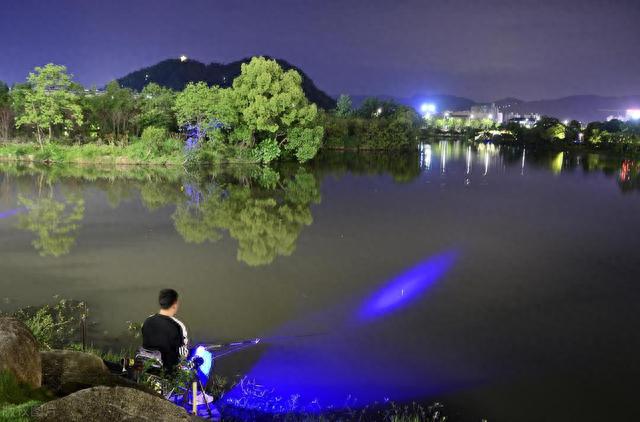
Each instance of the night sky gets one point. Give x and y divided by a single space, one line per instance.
484 50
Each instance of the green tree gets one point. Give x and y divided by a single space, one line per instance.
51 100
550 129
344 107
196 104
115 113
6 112
374 107
157 107
266 110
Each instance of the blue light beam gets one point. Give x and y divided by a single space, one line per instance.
10 213
407 287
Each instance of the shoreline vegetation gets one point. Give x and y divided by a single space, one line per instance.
56 328
262 117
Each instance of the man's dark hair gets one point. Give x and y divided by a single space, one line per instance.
167 298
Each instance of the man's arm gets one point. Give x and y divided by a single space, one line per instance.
183 339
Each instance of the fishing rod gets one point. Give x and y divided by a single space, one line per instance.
223 349
249 342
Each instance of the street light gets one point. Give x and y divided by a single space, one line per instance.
428 108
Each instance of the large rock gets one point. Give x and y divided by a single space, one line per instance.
66 371
110 404
19 352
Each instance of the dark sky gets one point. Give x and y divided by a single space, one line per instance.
483 49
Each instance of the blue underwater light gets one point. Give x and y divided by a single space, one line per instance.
407 287
350 363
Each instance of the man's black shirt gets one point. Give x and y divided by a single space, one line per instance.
167 335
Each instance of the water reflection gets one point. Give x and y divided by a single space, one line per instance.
55 223
265 218
263 209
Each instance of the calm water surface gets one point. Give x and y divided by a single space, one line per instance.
504 283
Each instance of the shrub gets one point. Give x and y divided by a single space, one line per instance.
154 136
53 326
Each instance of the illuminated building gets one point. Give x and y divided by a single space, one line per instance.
525 120
486 111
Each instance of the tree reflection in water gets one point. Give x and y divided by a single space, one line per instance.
264 209
55 223
264 213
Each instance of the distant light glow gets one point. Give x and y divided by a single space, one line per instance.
633 114
407 287
183 58
428 108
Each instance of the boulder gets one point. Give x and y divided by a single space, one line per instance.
109 404
19 352
67 371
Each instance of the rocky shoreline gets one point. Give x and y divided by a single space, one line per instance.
80 385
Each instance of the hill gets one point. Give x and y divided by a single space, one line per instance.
175 74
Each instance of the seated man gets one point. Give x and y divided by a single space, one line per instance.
166 334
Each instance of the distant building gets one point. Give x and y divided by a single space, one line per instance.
459 114
477 112
525 120
486 111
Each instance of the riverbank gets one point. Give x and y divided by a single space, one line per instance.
49 378
135 154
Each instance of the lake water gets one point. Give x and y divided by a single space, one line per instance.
504 283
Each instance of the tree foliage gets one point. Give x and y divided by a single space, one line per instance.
376 124
266 109
52 99
114 113
344 108
196 104
6 112
157 107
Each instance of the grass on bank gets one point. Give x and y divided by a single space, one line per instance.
18 400
137 153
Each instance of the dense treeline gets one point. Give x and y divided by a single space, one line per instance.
614 135
376 125
263 116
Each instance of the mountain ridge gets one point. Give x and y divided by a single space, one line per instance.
175 74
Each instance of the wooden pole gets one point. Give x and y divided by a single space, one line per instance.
194 388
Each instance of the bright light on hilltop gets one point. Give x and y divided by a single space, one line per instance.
183 58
